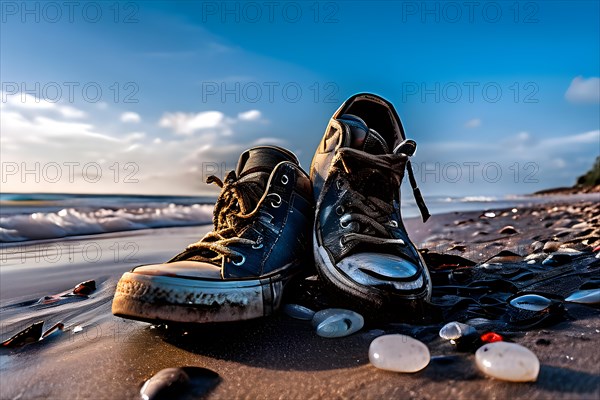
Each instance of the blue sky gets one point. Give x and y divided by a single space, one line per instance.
484 88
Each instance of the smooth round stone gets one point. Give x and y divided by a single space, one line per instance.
322 315
531 302
549 247
508 362
166 383
299 312
561 257
399 353
591 296
180 383
338 326
456 330
337 322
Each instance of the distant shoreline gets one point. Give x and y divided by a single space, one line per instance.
568 190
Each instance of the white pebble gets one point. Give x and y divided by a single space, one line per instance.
299 312
337 322
531 302
456 330
399 353
508 362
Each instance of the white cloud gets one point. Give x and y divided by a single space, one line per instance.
584 90
559 163
269 141
591 137
135 136
251 115
174 163
527 161
27 102
130 116
71 112
473 123
188 123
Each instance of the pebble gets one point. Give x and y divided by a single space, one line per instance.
561 257
85 288
298 312
535 256
489 215
169 382
549 247
531 302
185 382
581 225
337 322
508 362
537 246
590 296
399 353
456 330
508 230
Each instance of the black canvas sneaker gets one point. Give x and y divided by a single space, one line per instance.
261 237
361 247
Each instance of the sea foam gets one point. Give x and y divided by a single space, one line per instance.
72 221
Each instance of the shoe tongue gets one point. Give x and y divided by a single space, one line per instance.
363 138
261 160
374 143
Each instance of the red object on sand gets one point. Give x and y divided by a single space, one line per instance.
491 337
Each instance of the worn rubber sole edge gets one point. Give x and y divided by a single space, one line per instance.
161 298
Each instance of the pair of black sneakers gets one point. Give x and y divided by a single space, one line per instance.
273 222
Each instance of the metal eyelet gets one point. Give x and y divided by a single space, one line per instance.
240 262
394 223
278 204
339 210
285 179
257 246
346 225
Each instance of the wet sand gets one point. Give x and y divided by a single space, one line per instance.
277 357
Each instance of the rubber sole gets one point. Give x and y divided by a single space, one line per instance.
153 298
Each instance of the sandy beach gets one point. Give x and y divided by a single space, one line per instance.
104 357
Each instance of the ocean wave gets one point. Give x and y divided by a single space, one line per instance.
72 222
478 199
